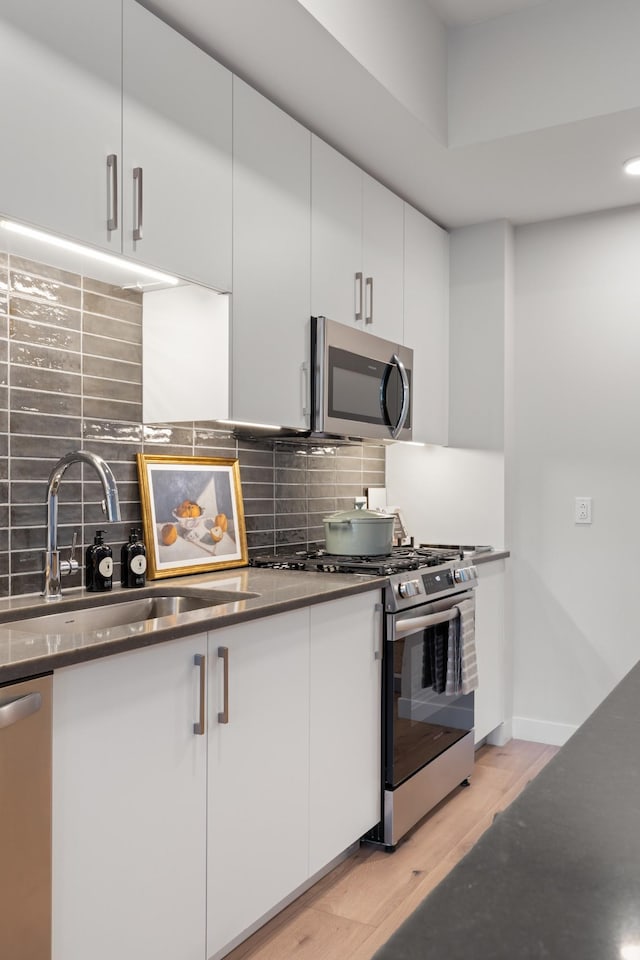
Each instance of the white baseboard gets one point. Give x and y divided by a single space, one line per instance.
542 731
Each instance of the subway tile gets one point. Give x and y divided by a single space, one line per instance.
51 381
95 408
258 507
42 357
101 430
256 474
58 338
99 389
167 434
290 475
112 369
112 327
111 349
265 522
28 284
290 521
25 266
37 401
36 424
258 491
95 303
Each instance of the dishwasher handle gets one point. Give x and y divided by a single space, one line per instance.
19 709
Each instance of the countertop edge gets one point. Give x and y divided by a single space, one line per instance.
222 615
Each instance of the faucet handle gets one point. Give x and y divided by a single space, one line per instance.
71 565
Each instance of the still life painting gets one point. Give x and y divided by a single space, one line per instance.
192 514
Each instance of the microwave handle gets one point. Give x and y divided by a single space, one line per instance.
404 409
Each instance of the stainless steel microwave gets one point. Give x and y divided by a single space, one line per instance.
360 384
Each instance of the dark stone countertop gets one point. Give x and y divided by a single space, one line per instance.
26 652
557 875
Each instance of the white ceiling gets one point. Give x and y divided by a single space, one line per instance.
565 159
456 12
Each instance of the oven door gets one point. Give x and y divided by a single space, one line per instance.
421 720
361 383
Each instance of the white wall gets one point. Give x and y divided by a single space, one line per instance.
447 495
564 62
576 432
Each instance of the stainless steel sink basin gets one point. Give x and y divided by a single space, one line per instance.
122 613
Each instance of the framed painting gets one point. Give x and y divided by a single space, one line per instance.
192 514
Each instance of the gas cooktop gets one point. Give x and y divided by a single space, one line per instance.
401 559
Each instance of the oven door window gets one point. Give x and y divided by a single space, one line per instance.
364 390
421 720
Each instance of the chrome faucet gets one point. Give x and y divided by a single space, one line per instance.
54 567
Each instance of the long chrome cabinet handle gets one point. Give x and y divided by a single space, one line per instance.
112 187
223 654
358 296
377 640
137 184
404 409
200 661
368 284
16 710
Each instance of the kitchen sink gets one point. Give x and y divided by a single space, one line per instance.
122 613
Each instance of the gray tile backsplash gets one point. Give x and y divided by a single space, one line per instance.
71 378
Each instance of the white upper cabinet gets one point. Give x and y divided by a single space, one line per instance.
60 103
176 132
356 246
426 324
271 269
336 235
383 241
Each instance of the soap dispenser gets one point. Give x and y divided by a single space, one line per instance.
133 561
99 564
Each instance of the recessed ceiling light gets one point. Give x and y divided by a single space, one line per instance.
632 167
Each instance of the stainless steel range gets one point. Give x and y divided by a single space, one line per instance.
427 724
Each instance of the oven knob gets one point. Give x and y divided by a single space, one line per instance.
460 575
408 588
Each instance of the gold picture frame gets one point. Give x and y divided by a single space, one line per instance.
192 514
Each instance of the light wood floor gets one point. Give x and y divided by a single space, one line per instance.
354 910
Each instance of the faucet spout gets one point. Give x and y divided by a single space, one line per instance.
54 568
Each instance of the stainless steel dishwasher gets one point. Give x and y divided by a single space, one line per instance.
25 819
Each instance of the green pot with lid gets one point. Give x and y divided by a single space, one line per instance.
359 533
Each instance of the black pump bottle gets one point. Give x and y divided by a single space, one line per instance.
99 565
133 561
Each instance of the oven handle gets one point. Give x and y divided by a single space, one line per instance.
403 627
404 410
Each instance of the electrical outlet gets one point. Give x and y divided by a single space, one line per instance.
583 510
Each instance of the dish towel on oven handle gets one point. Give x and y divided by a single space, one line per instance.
462 662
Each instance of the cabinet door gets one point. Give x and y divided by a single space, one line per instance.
271 262
60 104
345 751
258 771
426 324
383 239
176 127
336 235
490 697
129 807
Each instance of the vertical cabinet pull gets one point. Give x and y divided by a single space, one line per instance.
304 388
223 654
368 318
200 661
358 296
377 632
137 186
112 191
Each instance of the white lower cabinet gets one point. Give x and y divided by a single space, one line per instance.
171 844
258 771
490 697
345 750
129 807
